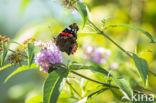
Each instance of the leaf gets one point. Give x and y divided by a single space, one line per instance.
100 70
58 65
134 28
82 8
117 93
35 99
77 66
125 87
12 41
85 99
53 85
30 53
6 66
20 69
4 53
37 49
142 67
92 68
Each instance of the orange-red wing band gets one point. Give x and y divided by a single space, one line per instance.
66 34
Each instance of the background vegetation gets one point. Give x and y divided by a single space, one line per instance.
45 19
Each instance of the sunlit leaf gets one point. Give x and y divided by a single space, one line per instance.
30 53
58 64
142 67
6 66
37 49
53 85
125 87
4 53
20 69
85 99
77 66
35 99
134 28
117 93
82 8
98 69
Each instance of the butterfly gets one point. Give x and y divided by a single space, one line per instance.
66 41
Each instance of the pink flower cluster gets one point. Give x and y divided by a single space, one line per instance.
97 54
49 54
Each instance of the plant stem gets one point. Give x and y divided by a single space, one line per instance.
15 52
105 84
73 89
152 72
101 32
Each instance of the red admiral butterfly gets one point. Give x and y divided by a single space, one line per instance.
66 40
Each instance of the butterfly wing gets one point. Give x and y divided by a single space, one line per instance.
66 40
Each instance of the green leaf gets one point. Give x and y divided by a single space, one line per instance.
4 53
125 87
85 99
142 67
117 93
98 69
35 99
77 66
20 69
37 49
12 41
134 28
53 85
30 53
59 65
6 66
82 8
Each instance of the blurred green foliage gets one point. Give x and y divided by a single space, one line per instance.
45 19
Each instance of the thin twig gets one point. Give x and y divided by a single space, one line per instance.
73 89
152 72
101 32
105 84
15 52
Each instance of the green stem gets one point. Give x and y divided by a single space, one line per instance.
152 72
11 50
73 89
101 32
15 52
105 84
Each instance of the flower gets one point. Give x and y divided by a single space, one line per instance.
49 54
3 39
24 44
40 44
99 55
16 57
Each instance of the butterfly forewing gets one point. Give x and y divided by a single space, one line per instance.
66 40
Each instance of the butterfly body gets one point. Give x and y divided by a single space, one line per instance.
66 40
